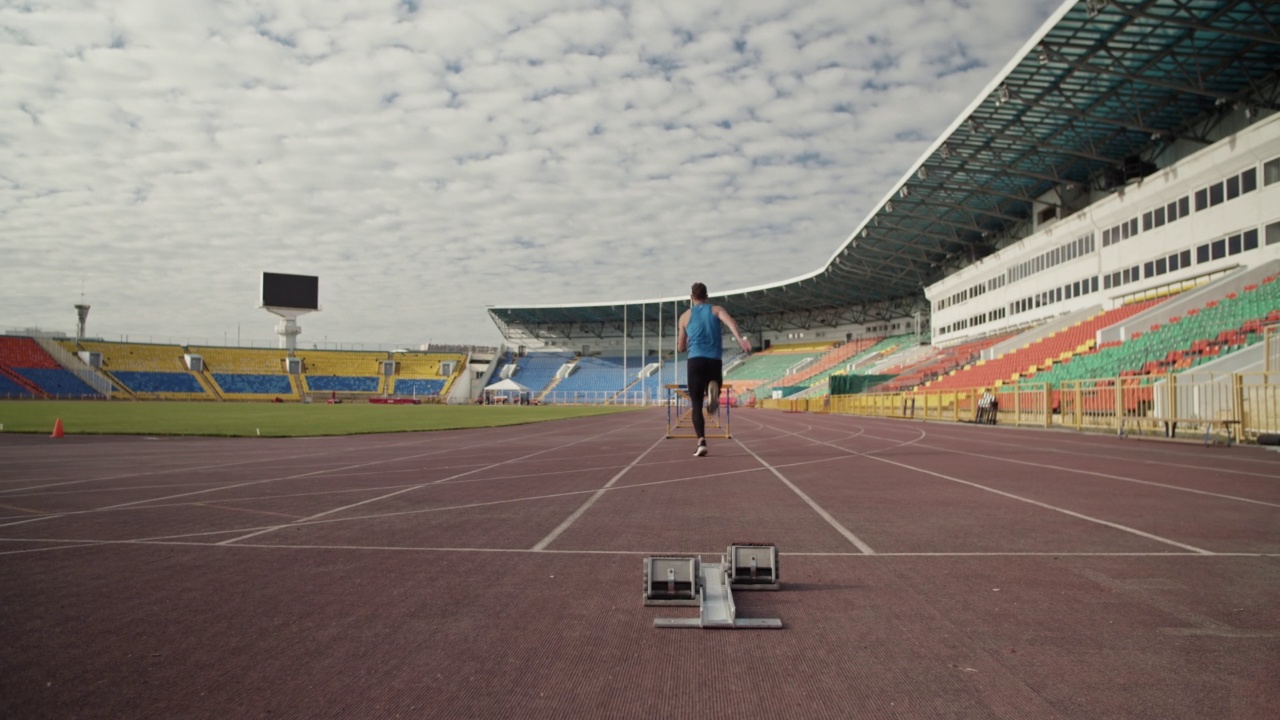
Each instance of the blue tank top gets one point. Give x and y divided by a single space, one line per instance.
704 332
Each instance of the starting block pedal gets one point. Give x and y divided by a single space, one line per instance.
712 586
671 581
753 566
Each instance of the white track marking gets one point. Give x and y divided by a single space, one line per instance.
320 515
1054 508
467 506
1094 454
1094 473
551 537
1037 503
844 531
69 544
217 466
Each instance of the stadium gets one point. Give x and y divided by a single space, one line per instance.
1087 259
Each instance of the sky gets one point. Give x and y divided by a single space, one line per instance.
428 158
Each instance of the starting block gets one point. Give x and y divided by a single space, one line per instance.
680 413
743 567
754 567
671 580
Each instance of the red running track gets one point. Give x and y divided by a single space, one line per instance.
929 570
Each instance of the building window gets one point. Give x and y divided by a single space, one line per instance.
1233 245
1251 240
1215 194
1219 249
1202 253
1233 187
1249 180
1149 269
1271 171
1202 199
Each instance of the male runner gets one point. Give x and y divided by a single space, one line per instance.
700 333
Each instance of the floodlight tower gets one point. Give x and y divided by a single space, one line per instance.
82 314
289 296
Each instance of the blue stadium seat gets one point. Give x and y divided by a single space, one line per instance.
9 388
159 382
418 386
342 383
260 384
57 382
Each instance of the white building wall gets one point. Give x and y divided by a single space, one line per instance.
1132 244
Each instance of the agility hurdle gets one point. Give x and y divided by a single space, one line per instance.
680 413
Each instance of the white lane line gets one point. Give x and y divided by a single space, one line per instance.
326 513
844 531
467 506
1094 473
79 543
1047 506
221 488
1072 513
196 468
551 537
1094 455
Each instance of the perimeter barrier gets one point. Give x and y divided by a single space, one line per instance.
1212 406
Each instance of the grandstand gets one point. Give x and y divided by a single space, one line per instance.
1093 211
1089 179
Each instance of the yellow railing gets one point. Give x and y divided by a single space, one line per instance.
1215 406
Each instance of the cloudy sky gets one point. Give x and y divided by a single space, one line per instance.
427 158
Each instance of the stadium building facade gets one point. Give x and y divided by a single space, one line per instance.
1130 148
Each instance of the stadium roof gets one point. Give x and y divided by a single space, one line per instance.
1085 105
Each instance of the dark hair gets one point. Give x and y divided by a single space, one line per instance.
699 292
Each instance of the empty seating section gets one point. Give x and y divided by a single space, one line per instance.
159 383
247 373
148 370
766 367
11 389
23 352
537 369
829 360
418 387
426 373
1181 342
945 361
599 378
57 383
1027 360
18 353
342 371
250 384
26 370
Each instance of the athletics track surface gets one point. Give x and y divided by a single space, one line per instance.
928 571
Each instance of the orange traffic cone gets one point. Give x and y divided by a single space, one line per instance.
57 428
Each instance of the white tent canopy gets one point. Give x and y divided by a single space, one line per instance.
507 385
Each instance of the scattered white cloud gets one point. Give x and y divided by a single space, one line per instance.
426 158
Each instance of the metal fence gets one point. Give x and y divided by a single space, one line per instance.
1230 407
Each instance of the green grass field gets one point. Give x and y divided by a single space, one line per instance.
268 419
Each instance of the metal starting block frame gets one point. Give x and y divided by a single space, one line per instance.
755 566
680 413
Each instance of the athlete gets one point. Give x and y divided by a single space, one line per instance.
700 335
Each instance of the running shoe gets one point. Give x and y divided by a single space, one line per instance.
713 397
701 451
